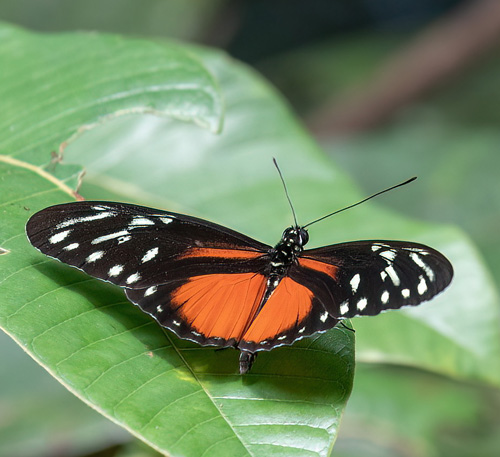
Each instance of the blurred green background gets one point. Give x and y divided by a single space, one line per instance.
391 89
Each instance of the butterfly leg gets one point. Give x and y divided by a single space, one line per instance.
246 361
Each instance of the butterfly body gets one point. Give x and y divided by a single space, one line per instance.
218 287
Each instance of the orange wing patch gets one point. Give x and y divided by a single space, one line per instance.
223 253
220 305
317 265
289 304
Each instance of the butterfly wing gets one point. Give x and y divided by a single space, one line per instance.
293 311
137 247
210 309
243 310
368 277
201 280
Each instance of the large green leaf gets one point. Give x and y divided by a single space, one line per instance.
175 395
178 397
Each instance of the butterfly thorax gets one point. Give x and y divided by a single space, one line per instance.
288 249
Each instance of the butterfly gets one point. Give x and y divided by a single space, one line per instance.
217 287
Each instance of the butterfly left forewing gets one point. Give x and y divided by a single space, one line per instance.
368 277
137 247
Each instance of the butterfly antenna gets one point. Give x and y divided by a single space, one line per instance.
286 191
362 201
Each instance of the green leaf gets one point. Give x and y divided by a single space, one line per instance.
176 396
27 393
54 87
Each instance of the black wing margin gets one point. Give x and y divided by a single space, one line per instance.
137 247
368 277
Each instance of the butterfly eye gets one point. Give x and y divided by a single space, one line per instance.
303 236
286 233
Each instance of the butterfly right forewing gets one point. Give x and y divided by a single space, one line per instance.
367 277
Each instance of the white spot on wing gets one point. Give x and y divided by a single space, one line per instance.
111 236
324 316
133 278
422 286
79 220
302 330
100 208
141 221
388 255
281 338
344 308
71 246
393 275
115 271
58 237
427 270
405 293
355 282
150 291
159 309
177 323
377 246
384 298
383 275
166 220
361 305
151 254
419 250
123 239
94 256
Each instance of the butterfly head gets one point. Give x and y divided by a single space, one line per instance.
295 236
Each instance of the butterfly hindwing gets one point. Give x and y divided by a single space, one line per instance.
228 310
368 277
136 247
211 309
292 312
